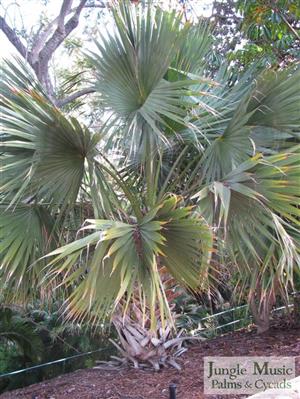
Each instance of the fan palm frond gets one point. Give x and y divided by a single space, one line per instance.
43 152
257 207
259 122
132 67
27 232
127 257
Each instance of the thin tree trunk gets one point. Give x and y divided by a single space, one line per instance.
261 312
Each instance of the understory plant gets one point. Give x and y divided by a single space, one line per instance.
186 175
36 335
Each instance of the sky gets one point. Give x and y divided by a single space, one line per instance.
26 13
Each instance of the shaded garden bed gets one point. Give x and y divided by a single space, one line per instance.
140 384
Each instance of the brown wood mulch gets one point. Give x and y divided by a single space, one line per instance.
146 384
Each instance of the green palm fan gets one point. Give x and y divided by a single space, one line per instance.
120 259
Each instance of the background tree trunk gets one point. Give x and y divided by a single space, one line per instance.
46 43
261 311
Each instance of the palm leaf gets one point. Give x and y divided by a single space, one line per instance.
27 232
263 120
257 205
126 259
131 69
43 152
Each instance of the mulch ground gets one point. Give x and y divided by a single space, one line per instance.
141 384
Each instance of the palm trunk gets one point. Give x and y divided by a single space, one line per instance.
261 311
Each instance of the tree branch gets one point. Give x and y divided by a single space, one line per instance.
43 36
60 103
65 8
58 37
41 40
12 37
47 41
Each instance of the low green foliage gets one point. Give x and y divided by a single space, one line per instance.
34 335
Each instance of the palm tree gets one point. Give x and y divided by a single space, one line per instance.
186 172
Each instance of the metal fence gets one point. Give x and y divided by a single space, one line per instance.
241 318
40 372
59 361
